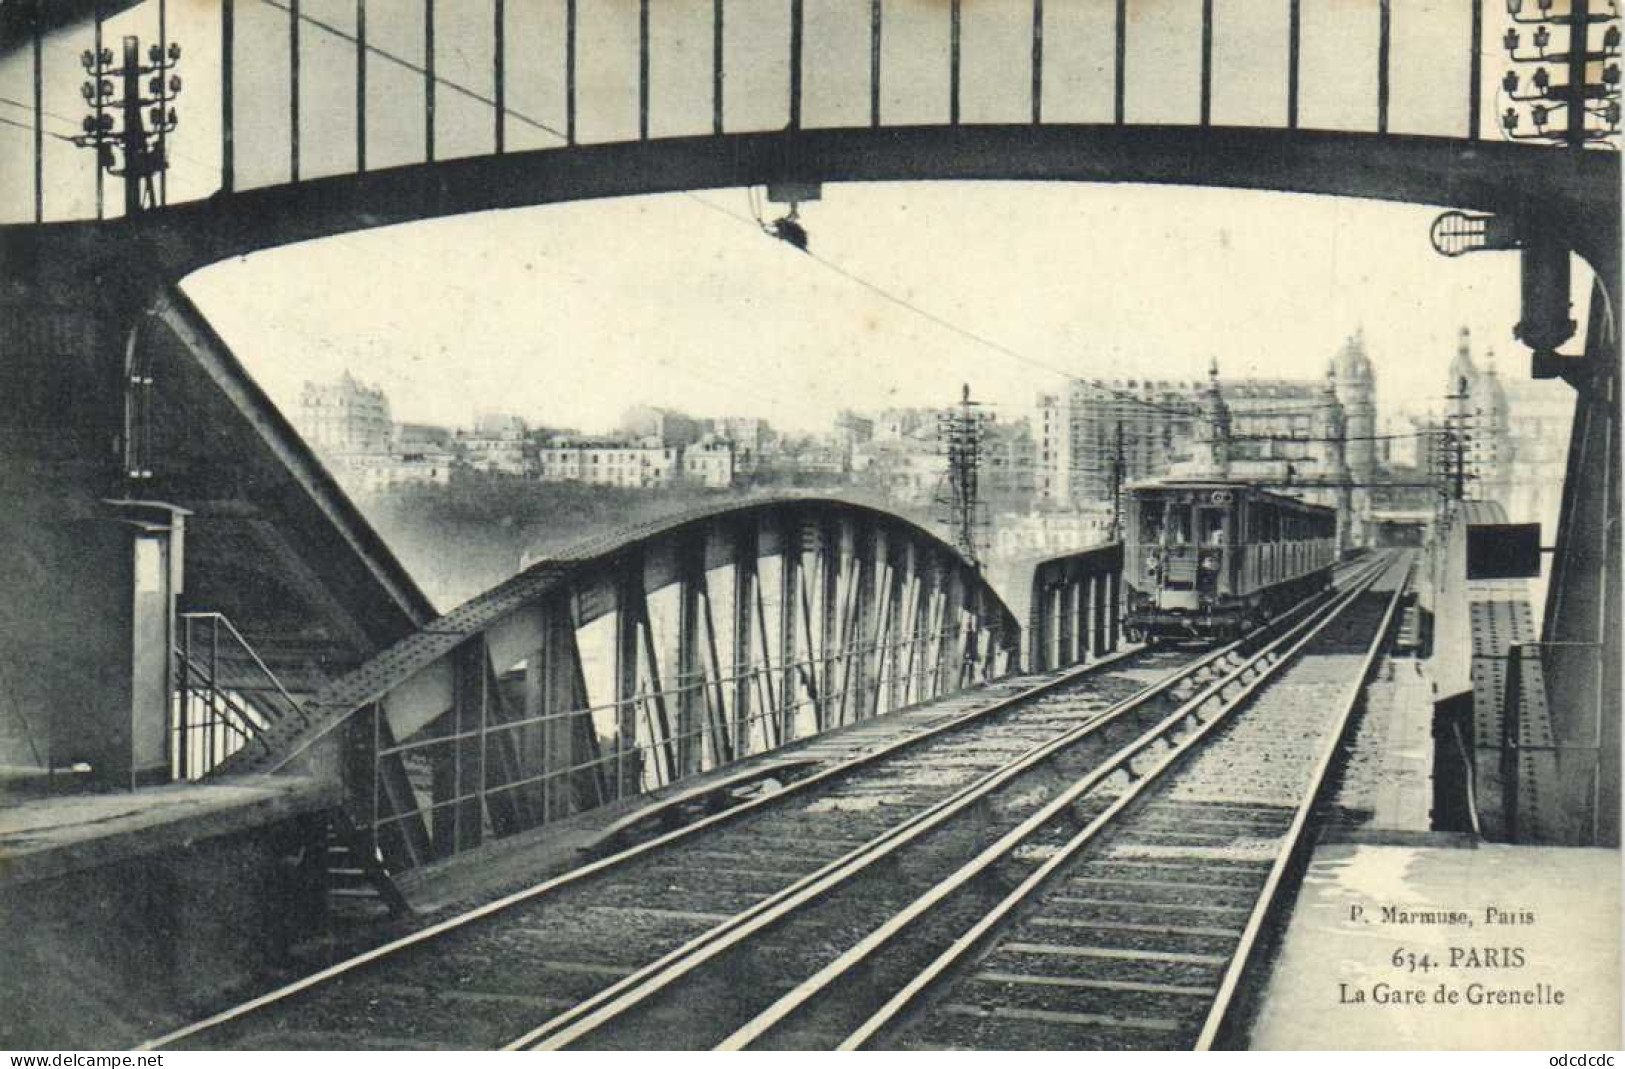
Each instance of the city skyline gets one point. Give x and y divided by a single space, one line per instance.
747 324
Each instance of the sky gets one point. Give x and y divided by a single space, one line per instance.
568 314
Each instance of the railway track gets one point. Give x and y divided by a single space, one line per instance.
1136 931
612 954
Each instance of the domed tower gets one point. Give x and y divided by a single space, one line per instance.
1331 453
1356 386
1210 452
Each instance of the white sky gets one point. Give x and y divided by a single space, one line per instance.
567 314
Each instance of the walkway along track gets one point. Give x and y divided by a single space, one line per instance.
567 947
804 973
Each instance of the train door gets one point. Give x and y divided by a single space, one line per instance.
1179 561
1212 533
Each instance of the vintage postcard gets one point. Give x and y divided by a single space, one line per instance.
810 525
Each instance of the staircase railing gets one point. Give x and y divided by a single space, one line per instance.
226 696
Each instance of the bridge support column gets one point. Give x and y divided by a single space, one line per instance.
550 691
86 625
690 673
1581 625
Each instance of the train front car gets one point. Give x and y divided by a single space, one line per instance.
1210 559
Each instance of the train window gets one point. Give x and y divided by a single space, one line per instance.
1150 523
1211 527
1179 525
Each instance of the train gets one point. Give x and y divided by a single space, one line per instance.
1212 558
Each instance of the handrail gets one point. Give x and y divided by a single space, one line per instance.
243 643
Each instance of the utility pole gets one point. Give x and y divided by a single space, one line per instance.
132 149
1458 439
960 431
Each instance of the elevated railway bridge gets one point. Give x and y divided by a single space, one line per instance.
201 619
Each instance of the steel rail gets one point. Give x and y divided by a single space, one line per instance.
974 937
649 982
1295 838
619 858
604 1006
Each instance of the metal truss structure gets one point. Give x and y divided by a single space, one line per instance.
634 662
1076 607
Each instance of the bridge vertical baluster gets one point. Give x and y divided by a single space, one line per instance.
293 90
924 612
789 587
374 780
772 729
896 579
722 746
1207 62
861 631
954 23
1085 607
1293 52
871 624
643 70
881 631
468 724
1042 623
570 72
1038 62
499 76
971 645
1384 51
690 676
37 48
947 626
586 756
742 670
428 81
875 27
228 64
1475 71
797 27
551 686
1071 647
661 733
361 85
1114 608
626 682
716 68
509 807
1101 598
96 21
1119 73
845 650
829 573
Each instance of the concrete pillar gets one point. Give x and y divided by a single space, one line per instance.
85 627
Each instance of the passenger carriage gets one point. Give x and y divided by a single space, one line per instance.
1212 558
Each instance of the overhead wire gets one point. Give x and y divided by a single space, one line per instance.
755 220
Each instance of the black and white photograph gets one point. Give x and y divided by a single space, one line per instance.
809 525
